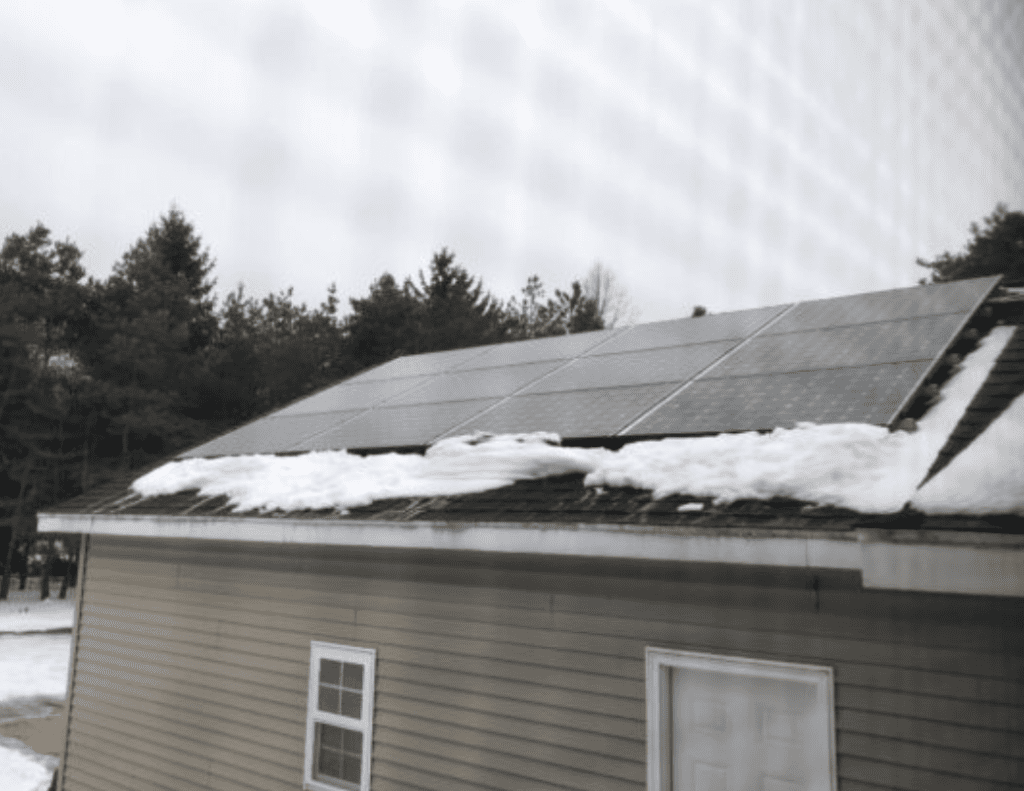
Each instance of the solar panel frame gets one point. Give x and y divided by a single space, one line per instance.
560 347
427 364
352 394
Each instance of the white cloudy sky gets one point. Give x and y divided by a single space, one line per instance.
731 154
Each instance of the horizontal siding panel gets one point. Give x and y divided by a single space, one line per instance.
911 779
736 641
524 743
229 737
982 715
220 754
148 702
569 732
408 684
470 766
954 762
398 777
85 772
938 734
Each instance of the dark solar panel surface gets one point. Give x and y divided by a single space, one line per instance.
857 358
477 383
679 332
582 413
354 394
395 427
671 364
958 297
870 394
272 434
560 347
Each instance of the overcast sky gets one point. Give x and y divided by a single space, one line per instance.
732 154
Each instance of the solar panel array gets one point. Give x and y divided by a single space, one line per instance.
848 359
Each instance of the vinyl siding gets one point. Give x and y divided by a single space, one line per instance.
192 661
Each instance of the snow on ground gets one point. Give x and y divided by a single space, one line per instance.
987 477
22 769
25 612
851 465
33 680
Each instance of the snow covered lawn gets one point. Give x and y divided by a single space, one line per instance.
33 683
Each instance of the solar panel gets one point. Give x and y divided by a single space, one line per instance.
475 383
671 364
428 364
272 434
396 427
679 332
560 347
856 358
870 394
354 394
586 413
962 296
843 347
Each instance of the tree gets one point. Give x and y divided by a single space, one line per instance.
995 249
612 301
384 324
153 323
455 310
42 310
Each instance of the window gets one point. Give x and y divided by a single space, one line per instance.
339 717
717 723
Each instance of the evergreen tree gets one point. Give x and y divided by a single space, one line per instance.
456 311
384 324
995 249
41 430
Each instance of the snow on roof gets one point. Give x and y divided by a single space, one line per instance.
853 465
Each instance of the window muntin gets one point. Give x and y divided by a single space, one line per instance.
735 723
339 717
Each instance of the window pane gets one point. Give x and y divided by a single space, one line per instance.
352 704
330 736
330 671
353 742
328 699
351 770
329 763
353 676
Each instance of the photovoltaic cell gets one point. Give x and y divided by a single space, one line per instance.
843 347
870 394
671 364
561 347
476 383
354 394
395 427
587 413
271 434
421 364
961 296
679 332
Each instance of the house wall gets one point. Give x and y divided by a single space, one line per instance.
509 673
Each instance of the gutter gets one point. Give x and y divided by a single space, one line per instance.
984 564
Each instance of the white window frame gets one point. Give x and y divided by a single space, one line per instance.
661 661
367 657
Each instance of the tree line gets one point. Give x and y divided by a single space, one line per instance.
102 377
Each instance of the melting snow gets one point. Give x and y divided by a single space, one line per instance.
852 465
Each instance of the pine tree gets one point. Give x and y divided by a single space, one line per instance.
456 311
995 249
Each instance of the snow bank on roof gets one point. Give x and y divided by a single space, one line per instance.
985 478
340 480
852 465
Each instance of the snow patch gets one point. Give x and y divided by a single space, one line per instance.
33 665
863 467
23 611
987 477
23 769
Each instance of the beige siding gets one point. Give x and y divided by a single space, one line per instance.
192 664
